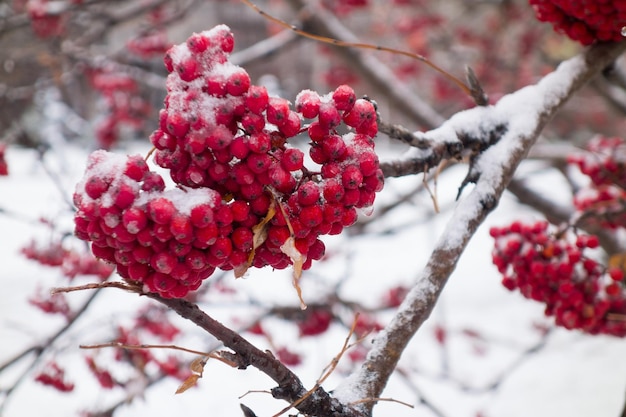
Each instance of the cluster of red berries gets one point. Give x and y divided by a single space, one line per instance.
149 45
45 18
53 375
604 202
51 304
149 322
244 196
4 167
124 105
584 21
72 263
578 291
604 162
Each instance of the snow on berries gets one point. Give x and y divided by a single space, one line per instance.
555 270
246 195
584 21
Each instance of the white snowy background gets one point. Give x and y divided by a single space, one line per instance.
572 374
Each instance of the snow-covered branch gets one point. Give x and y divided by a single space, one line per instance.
523 115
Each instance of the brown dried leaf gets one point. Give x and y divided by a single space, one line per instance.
618 261
188 383
197 365
259 236
197 368
289 249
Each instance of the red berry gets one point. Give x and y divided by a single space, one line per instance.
136 168
308 103
329 116
292 159
238 83
222 248
344 97
134 219
333 190
256 99
351 178
188 69
161 210
311 216
308 193
95 186
181 228
163 262
242 238
198 43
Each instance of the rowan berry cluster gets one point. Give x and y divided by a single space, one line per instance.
4 167
72 263
244 197
578 291
150 323
51 304
54 376
46 19
150 44
584 21
604 201
124 105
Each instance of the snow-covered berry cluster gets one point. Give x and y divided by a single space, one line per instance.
584 21
244 196
578 291
604 201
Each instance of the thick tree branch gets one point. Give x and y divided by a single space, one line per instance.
290 388
524 113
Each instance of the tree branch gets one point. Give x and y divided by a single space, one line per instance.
524 113
290 388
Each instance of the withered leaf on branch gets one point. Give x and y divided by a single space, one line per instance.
197 368
289 249
259 232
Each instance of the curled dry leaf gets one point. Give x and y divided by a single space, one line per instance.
259 235
197 368
289 249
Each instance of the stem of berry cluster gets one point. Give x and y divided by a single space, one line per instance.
524 113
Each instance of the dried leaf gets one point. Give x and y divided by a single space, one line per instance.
188 383
259 236
197 368
289 249
197 365
618 261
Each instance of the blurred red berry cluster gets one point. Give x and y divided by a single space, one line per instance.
585 21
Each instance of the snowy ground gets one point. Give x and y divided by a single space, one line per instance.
573 374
